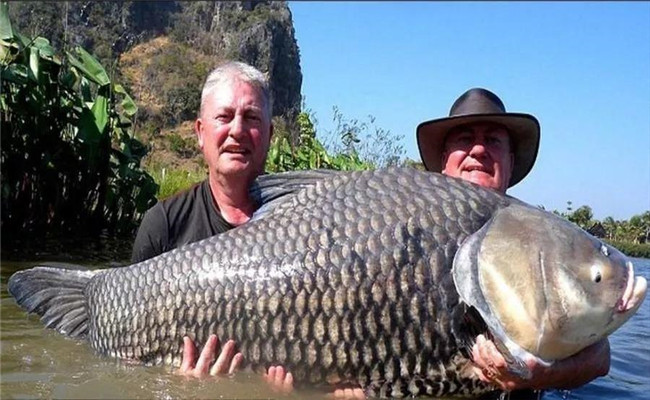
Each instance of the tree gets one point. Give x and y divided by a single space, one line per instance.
645 227
582 217
610 226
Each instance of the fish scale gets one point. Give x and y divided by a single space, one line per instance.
334 289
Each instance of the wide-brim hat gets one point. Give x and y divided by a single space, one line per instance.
481 105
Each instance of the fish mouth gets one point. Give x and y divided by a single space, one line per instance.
634 293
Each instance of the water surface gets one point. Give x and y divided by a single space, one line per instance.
39 363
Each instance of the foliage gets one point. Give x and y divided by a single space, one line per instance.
69 158
641 250
175 76
309 153
184 147
368 142
417 164
632 237
354 145
583 217
173 180
104 28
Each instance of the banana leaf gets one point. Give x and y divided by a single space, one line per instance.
89 66
6 31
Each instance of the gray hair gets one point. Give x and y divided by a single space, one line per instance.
243 72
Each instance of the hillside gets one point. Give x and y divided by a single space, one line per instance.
162 52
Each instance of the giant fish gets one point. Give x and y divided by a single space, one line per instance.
377 278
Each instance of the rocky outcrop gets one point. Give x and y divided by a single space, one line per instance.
258 32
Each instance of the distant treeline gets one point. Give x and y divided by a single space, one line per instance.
631 236
641 250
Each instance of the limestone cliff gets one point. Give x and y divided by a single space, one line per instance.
258 32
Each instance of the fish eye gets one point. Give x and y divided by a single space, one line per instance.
596 274
603 249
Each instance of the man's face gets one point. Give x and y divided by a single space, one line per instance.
234 130
479 153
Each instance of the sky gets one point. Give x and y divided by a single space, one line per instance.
582 68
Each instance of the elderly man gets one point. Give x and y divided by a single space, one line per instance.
234 131
482 143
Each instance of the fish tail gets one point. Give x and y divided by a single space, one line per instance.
55 293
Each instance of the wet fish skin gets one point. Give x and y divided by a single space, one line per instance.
354 298
347 280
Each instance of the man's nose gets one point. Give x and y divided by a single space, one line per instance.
478 148
236 127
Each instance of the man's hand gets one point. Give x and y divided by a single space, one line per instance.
279 379
282 381
227 362
349 393
575 371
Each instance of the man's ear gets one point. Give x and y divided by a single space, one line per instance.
198 129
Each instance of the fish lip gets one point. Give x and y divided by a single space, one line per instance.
634 292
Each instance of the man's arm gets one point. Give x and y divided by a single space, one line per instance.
577 370
570 373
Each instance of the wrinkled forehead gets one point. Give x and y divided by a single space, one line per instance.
233 86
232 91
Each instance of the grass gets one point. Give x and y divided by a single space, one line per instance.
172 180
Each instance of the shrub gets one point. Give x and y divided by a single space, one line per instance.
70 161
641 250
184 147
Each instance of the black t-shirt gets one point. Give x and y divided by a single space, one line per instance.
185 217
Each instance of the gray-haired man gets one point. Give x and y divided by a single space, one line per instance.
234 132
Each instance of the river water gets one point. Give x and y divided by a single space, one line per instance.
39 363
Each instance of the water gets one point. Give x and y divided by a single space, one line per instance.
39 363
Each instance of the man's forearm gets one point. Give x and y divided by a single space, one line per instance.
582 368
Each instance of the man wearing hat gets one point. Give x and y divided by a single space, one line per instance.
482 143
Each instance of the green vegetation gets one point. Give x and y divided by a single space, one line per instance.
308 153
632 237
364 139
176 76
184 147
173 180
354 145
104 28
69 160
641 250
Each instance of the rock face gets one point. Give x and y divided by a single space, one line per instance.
260 33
